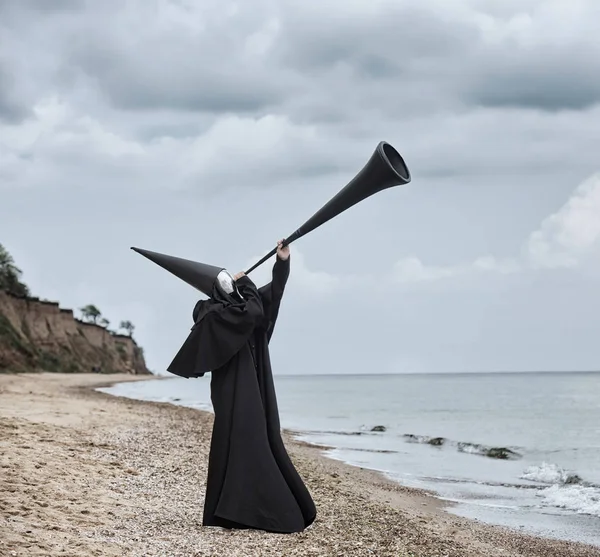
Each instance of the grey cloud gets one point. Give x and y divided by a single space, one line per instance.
57 5
211 93
12 110
155 81
398 61
547 78
388 43
43 6
406 50
544 93
203 72
427 60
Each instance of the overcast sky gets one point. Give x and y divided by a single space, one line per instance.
208 130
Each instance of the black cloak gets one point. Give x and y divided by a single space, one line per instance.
251 482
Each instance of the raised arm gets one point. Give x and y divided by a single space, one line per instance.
272 292
281 273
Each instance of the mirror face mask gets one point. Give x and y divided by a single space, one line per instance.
226 282
227 285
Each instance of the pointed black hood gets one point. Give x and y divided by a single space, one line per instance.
199 275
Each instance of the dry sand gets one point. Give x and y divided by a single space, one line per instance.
83 473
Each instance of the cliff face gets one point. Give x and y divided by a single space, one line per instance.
39 335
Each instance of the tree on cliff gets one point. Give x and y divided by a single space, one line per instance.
127 326
90 313
10 275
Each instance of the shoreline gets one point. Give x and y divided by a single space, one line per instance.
88 473
427 499
290 437
538 522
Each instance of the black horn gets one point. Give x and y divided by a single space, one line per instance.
385 169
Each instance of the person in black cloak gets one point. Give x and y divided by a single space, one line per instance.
251 482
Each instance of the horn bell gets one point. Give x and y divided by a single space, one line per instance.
385 169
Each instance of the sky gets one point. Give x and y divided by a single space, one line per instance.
209 130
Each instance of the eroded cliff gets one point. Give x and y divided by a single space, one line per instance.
39 335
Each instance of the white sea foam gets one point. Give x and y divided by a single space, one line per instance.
470 448
550 474
567 490
577 498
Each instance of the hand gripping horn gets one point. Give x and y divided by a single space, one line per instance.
385 169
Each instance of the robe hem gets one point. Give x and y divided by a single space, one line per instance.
234 524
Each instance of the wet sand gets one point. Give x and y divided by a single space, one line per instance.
84 473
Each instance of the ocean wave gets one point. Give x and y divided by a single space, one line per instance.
363 450
332 432
550 474
577 498
501 453
423 439
450 480
364 430
567 490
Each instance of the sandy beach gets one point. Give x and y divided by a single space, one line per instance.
84 473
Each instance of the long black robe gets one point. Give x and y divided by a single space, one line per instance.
251 482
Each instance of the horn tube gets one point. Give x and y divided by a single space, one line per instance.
385 169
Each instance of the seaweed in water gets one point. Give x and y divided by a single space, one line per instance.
500 453
436 441
433 441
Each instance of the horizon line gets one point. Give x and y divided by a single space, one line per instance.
495 372
395 373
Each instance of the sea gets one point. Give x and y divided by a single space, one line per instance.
520 450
